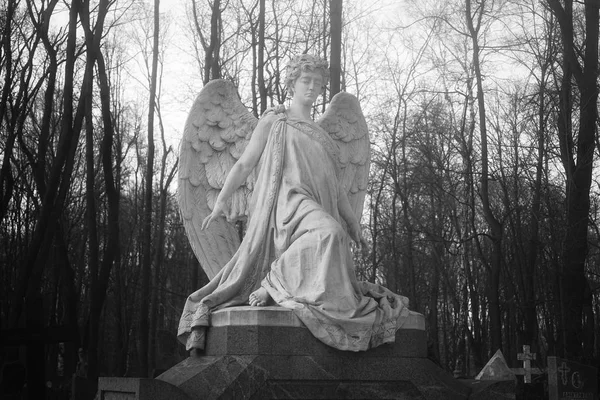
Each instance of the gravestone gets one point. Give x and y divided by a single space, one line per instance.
496 380
571 380
496 369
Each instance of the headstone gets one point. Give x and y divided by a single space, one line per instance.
496 369
571 380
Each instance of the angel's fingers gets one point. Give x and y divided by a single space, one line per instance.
207 221
364 247
359 241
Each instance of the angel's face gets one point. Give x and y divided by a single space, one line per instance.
308 86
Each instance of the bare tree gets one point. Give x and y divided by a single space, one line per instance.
58 180
147 239
473 20
99 270
577 154
262 88
212 45
336 45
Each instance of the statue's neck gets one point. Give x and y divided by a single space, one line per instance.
300 111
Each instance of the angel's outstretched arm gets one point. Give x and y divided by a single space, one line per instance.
241 169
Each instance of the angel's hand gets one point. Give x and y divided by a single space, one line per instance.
220 210
363 246
358 238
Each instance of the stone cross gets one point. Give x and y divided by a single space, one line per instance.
526 356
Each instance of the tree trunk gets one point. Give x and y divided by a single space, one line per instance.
147 238
69 298
6 179
433 316
262 88
165 182
100 272
336 46
58 182
579 171
493 223
530 315
91 212
215 40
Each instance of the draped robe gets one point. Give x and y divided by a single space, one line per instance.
298 250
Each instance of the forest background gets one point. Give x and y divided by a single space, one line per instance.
483 200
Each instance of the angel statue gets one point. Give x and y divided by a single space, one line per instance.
300 185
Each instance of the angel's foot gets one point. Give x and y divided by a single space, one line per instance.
259 298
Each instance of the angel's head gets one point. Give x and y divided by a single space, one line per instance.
305 63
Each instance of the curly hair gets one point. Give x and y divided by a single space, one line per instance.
305 63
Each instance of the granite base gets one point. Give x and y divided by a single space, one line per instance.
266 353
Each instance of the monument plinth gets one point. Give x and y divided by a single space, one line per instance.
266 353
272 331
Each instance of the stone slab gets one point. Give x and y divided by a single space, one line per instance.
263 316
138 389
492 389
277 331
310 377
337 389
279 316
289 340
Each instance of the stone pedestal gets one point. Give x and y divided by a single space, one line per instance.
266 353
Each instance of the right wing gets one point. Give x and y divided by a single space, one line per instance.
216 132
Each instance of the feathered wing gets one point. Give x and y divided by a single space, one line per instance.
345 122
216 132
